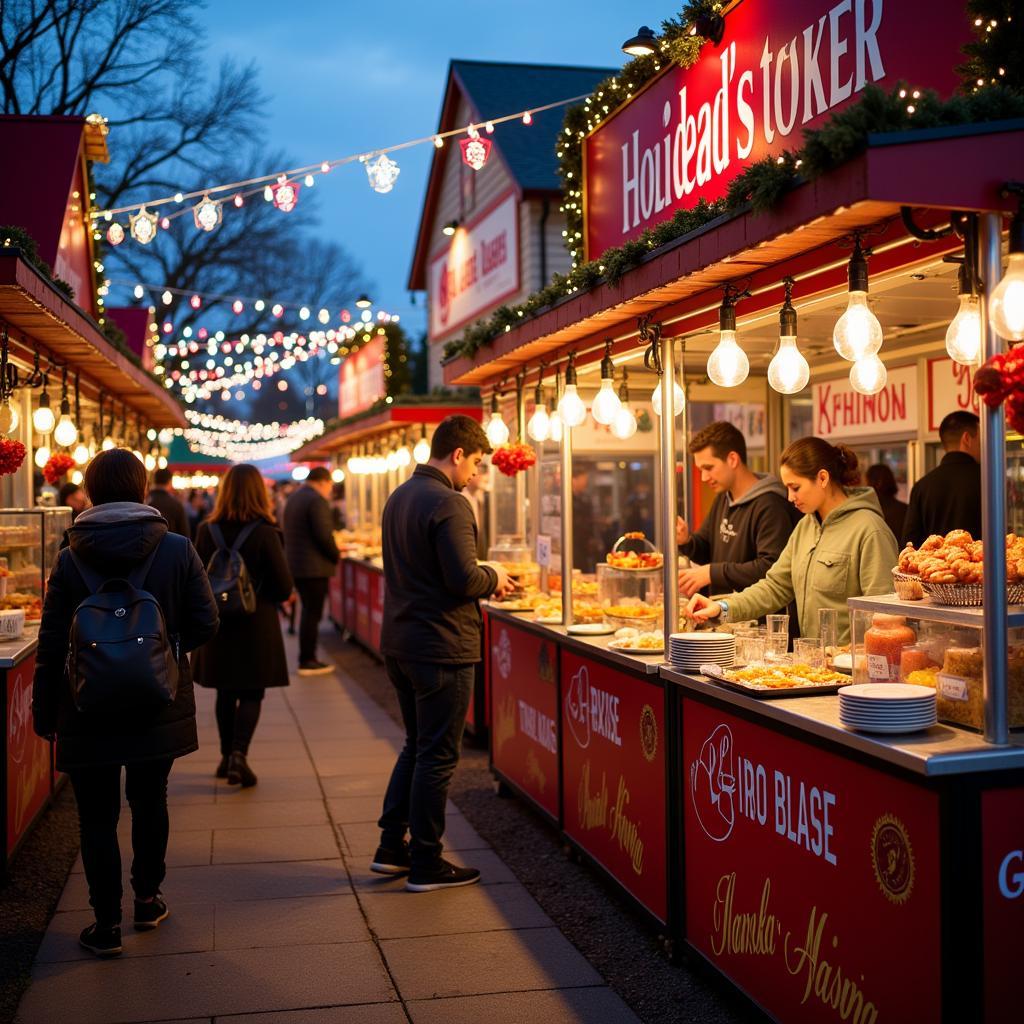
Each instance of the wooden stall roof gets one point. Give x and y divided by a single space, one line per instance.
961 168
34 308
377 423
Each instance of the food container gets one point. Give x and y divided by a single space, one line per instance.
907 587
883 646
640 614
12 624
917 658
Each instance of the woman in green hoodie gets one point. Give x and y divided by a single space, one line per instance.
841 548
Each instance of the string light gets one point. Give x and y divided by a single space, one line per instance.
539 427
571 410
868 375
624 425
606 404
497 429
857 332
142 226
963 336
788 371
421 450
728 364
207 214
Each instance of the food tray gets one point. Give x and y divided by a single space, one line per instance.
968 595
719 675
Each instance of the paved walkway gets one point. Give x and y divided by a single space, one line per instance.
276 919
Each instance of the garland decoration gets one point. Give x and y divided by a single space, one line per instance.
512 458
12 455
1001 379
56 466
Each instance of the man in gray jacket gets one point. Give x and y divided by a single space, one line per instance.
312 558
431 644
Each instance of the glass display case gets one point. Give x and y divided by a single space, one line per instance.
924 644
29 541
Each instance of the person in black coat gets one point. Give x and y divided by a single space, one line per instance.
171 507
313 558
949 497
247 654
112 539
894 511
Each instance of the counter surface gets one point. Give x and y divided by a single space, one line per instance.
13 652
596 646
941 750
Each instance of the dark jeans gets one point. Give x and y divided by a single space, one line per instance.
313 594
98 792
238 711
434 700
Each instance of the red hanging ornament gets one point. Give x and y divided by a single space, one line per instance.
12 455
512 458
56 466
286 195
475 151
1001 379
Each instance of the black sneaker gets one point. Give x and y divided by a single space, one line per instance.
390 861
222 768
315 668
149 915
444 876
104 942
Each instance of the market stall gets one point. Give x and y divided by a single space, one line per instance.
808 852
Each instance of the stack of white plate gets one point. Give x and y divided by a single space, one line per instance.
887 707
688 651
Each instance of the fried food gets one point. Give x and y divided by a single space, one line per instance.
958 558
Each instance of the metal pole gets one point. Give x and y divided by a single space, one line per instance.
521 438
993 502
566 525
667 451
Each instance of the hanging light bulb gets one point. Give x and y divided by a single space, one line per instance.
1006 305
606 402
678 399
963 336
43 419
788 371
496 429
624 424
9 418
555 427
857 332
571 409
42 456
81 453
391 461
149 461
539 427
421 450
108 443
66 432
868 375
728 364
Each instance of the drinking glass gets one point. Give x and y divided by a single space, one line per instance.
828 631
777 648
750 650
778 625
807 651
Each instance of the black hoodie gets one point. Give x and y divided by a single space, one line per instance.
113 539
742 540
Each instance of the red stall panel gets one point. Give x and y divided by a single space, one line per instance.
613 775
28 757
376 609
524 738
811 881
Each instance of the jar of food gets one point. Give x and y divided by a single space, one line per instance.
916 658
883 646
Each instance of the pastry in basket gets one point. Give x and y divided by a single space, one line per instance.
958 558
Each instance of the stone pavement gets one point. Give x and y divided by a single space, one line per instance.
276 919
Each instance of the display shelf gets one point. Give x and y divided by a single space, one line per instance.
927 609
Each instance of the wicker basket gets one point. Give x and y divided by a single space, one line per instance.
968 595
908 588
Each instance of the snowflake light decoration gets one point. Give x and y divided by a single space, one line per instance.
115 234
383 173
207 214
142 226
286 195
475 151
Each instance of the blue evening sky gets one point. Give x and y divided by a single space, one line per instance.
344 78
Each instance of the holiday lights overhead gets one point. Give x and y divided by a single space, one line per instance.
285 194
143 226
383 173
207 214
475 151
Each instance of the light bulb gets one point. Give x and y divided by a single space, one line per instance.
857 332
108 443
42 456
65 433
76 476
571 408
1006 306
678 400
149 462
403 457
421 451
963 336
606 402
728 365
80 454
43 419
161 462
539 427
391 461
624 424
555 427
868 375
9 418
788 371
338 475
497 430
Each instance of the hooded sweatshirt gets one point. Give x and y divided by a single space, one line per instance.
113 539
850 554
742 539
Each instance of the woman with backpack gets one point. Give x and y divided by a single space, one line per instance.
125 602
243 551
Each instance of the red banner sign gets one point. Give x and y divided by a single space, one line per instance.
28 757
782 68
524 695
361 378
336 597
348 593
376 608
950 389
843 413
1002 874
613 775
811 881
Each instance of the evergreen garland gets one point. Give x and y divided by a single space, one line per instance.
14 237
